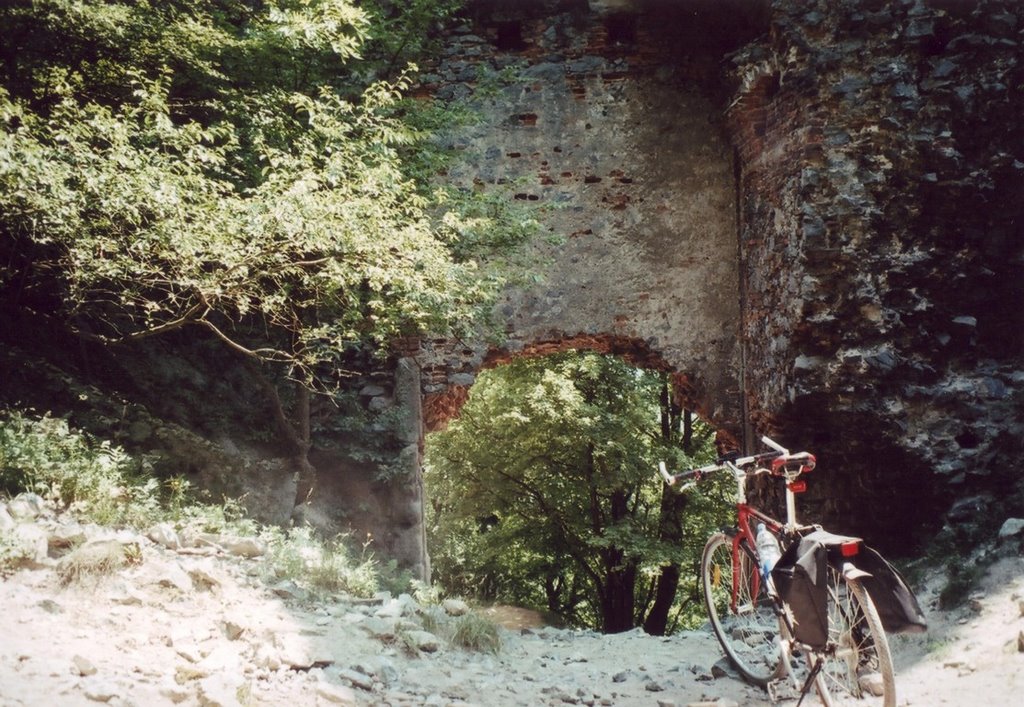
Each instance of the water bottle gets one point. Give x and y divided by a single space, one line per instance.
767 549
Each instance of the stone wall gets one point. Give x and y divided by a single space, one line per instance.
874 182
607 120
881 166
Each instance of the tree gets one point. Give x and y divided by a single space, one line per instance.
234 169
543 491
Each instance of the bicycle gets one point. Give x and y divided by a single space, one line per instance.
807 618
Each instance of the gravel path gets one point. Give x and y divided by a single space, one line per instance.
201 627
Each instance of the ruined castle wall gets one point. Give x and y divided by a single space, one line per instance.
607 121
881 239
810 211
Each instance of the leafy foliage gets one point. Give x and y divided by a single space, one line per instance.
248 173
233 167
104 484
544 492
100 481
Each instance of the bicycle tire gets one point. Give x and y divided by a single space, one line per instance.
860 668
750 634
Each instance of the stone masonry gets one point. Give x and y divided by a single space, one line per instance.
809 211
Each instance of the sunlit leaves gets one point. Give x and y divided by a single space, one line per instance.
243 182
551 463
315 24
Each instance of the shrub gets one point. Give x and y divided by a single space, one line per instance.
98 480
322 566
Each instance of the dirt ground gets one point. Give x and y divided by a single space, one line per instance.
207 629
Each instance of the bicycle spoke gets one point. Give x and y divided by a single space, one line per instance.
858 663
748 627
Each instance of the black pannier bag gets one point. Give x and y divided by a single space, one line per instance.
800 577
897 606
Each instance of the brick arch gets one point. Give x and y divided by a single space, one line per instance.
445 402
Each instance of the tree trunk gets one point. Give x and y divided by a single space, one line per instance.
656 622
305 478
670 528
619 593
296 433
305 472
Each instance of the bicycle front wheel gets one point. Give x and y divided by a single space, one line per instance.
858 663
746 623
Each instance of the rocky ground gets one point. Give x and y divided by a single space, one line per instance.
193 621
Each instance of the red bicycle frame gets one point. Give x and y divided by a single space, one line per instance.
745 513
789 466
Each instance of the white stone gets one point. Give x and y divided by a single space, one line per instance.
243 547
204 576
66 536
26 506
100 690
6 521
1011 526
125 593
232 629
455 607
223 659
358 679
184 674
425 641
336 694
167 574
31 544
174 693
267 657
393 609
83 666
383 629
872 683
299 652
220 690
164 534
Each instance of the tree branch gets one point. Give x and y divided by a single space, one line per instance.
289 432
185 319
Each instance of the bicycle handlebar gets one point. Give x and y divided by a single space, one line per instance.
780 455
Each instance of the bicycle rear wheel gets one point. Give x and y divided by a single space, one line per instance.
860 667
749 630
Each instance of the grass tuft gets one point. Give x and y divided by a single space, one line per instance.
321 566
476 633
95 560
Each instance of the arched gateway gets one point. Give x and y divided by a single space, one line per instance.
608 127
808 214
